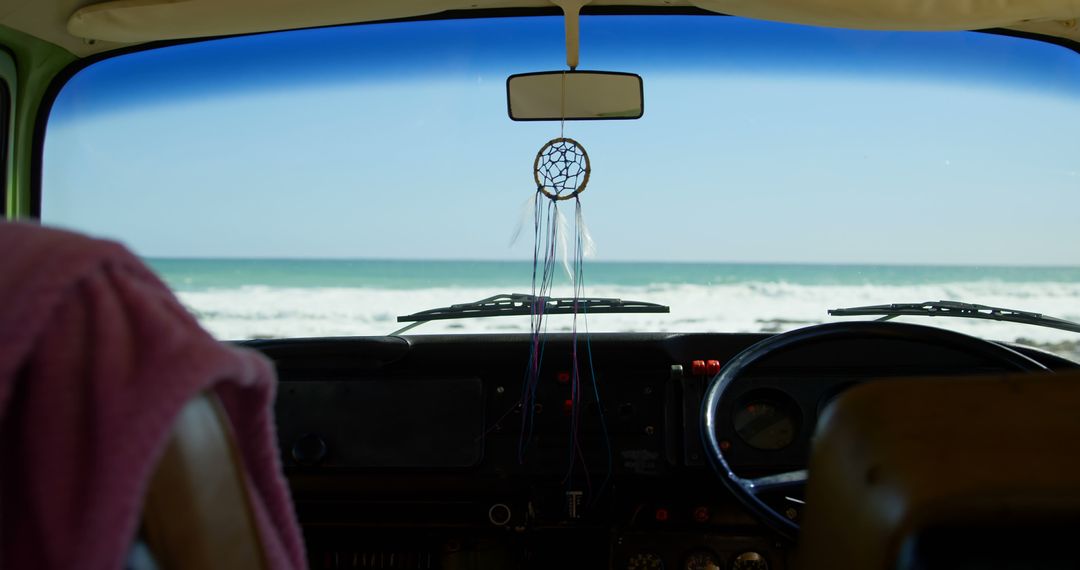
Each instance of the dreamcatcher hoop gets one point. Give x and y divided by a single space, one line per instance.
559 166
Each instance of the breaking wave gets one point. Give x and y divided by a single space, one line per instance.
261 311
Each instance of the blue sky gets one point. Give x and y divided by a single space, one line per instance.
760 142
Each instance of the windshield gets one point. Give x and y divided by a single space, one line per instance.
323 182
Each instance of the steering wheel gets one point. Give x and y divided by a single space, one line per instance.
749 491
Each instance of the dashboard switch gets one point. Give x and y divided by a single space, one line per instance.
712 367
702 515
697 368
662 514
573 504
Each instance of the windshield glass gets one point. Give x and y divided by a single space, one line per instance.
323 182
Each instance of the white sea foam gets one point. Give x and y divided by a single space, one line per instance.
261 311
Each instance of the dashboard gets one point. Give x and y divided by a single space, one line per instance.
415 452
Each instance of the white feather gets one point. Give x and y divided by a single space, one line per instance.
588 246
563 228
528 215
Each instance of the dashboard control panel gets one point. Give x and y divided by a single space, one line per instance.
419 453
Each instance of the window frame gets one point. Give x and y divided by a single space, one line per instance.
61 78
8 89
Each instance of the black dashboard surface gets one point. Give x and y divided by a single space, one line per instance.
415 452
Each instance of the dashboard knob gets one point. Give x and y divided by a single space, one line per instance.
309 450
499 514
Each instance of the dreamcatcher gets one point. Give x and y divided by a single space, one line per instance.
561 171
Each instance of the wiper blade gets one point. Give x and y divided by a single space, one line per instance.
523 304
957 309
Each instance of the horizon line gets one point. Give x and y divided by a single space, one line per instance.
971 265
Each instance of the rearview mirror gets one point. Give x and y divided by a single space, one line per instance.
574 96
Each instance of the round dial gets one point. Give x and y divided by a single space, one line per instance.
644 561
702 560
749 561
765 424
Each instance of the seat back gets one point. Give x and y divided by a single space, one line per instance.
197 512
926 473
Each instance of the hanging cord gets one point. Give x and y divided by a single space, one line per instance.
584 247
546 230
562 107
576 451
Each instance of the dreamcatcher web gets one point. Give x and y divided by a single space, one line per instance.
561 169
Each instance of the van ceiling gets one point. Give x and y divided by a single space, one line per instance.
86 27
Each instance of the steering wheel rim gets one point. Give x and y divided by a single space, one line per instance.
746 490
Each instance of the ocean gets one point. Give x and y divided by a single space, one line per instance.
265 298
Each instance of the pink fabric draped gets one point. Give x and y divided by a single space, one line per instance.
97 357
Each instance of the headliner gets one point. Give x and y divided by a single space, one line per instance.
87 27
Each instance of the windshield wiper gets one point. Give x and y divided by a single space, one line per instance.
523 304
957 309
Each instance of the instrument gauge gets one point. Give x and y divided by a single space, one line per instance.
765 423
749 561
702 560
644 561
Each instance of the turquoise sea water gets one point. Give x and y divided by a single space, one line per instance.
249 298
201 274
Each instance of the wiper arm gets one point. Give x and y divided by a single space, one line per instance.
957 309
523 304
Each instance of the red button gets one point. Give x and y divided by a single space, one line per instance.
562 377
568 407
697 367
712 367
701 514
662 514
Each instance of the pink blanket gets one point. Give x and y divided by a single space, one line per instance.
96 359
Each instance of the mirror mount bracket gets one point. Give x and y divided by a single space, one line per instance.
571 14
